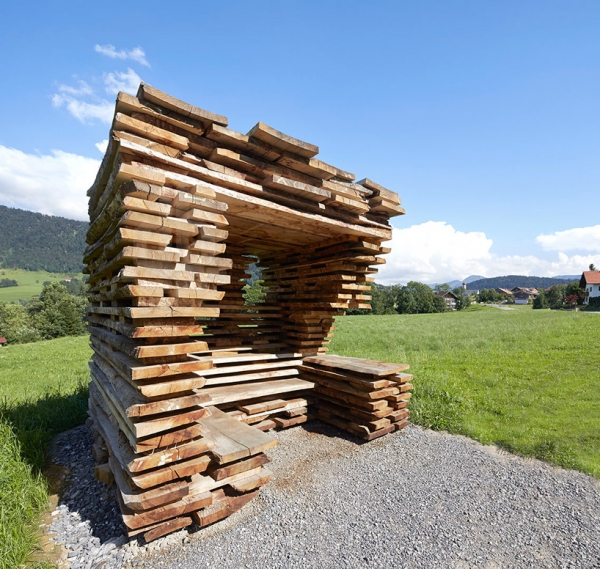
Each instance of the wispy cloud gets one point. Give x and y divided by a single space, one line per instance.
82 89
135 54
82 110
127 81
54 184
435 252
102 145
576 239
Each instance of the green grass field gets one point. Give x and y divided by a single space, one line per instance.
526 380
30 283
43 391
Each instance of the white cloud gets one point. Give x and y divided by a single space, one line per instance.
579 238
54 184
82 89
102 145
127 81
135 54
435 252
83 111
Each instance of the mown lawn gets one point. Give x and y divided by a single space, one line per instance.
30 283
526 380
43 391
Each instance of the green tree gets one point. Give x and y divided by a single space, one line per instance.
574 289
16 324
439 304
254 294
540 301
57 313
405 301
555 296
464 300
442 287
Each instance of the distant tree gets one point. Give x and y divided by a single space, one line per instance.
417 297
442 287
16 324
571 300
464 300
555 296
254 294
406 302
439 304
4 283
75 286
540 301
574 289
592 267
57 313
490 296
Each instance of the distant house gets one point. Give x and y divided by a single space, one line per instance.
449 297
3 342
523 294
590 283
504 291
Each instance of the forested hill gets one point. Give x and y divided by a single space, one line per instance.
512 281
34 241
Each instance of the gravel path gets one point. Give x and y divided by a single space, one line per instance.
416 499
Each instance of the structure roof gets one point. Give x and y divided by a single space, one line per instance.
589 277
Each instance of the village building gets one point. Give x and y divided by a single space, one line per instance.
449 297
590 283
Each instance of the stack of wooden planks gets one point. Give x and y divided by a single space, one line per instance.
365 397
186 376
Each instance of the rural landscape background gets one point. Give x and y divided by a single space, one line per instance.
484 119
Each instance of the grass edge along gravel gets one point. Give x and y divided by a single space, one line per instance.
42 405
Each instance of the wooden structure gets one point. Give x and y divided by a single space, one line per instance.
186 378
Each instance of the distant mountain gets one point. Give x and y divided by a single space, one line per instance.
511 281
34 241
454 284
569 278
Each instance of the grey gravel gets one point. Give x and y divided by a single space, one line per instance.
414 499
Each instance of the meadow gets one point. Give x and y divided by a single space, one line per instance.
30 283
525 380
43 391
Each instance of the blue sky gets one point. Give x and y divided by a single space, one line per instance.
483 116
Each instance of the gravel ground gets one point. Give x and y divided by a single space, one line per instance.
415 499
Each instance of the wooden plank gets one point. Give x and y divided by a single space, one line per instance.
241 392
296 188
245 377
166 528
358 365
268 134
149 93
233 440
379 190
170 472
252 482
285 423
186 505
124 122
219 472
223 508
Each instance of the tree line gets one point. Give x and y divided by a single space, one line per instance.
57 311
412 298
560 296
4 283
34 241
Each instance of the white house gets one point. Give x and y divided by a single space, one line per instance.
590 283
